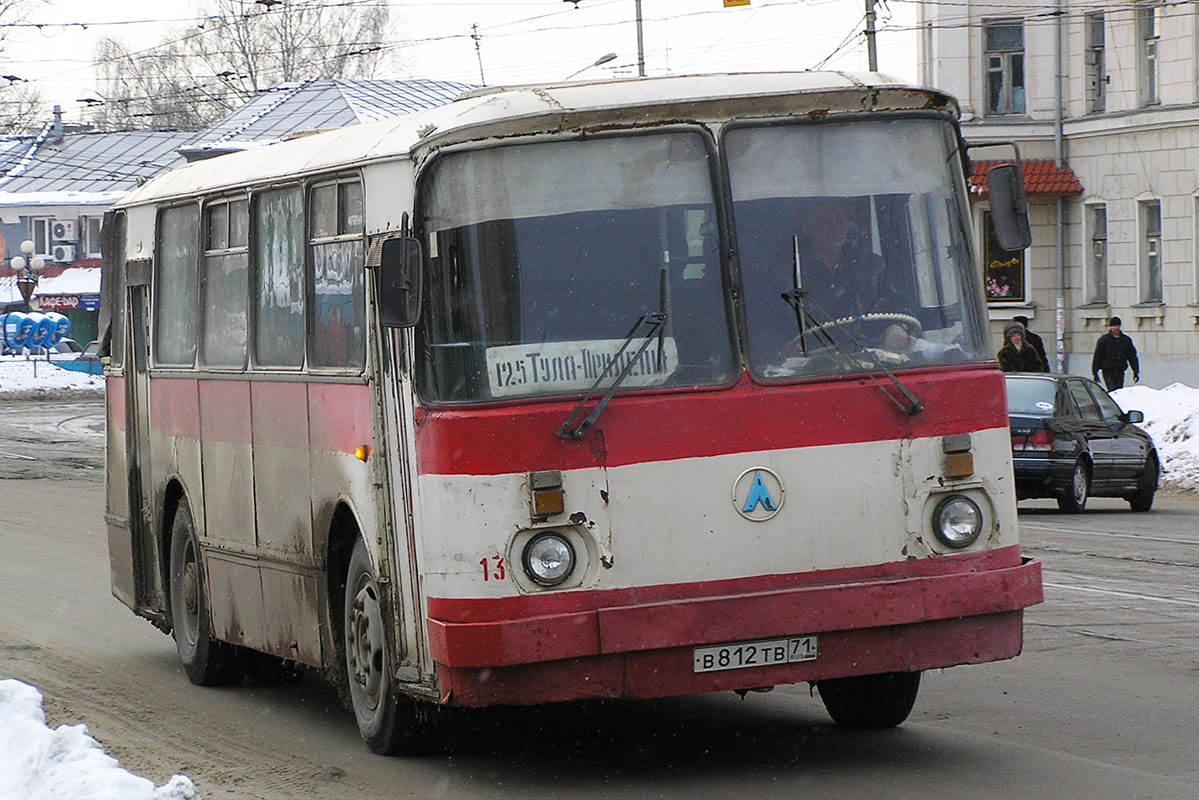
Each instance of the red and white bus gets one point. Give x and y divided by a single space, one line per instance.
591 390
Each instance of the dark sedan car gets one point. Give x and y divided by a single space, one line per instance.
1071 441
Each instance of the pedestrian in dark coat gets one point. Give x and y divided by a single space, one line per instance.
1016 355
1034 341
1115 352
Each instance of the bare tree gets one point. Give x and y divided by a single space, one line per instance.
198 75
20 100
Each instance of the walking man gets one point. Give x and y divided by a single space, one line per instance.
1115 352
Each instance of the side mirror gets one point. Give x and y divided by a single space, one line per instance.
400 282
1009 208
1135 416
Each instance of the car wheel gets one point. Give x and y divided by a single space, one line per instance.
1075 498
1142 499
390 722
870 701
206 660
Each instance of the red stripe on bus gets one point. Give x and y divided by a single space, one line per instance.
114 395
744 418
225 411
175 407
339 416
280 414
625 621
669 672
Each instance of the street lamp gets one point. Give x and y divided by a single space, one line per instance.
604 59
27 276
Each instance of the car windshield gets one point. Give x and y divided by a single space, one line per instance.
1031 396
853 236
541 257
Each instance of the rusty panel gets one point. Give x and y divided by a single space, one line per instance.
116 498
281 482
292 618
235 600
227 462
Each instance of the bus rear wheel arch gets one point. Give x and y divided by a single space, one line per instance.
390 722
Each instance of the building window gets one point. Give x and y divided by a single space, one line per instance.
1096 70
39 232
1097 256
1151 251
1004 58
1149 34
91 236
1004 271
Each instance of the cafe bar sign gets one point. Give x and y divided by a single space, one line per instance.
69 302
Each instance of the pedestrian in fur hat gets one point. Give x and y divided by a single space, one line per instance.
1017 355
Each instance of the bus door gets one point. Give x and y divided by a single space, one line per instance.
147 574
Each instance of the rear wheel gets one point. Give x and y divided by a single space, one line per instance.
1075 498
870 701
207 661
1142 499
390 722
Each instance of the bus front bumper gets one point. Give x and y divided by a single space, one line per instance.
910 616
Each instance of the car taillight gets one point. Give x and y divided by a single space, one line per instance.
1038 440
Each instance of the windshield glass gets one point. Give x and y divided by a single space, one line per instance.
1031 396
541 257
852 236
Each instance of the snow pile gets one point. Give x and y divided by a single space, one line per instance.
28 378
1172 419
37 763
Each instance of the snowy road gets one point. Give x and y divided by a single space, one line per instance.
1101 704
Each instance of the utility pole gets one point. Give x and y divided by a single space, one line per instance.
871 48
641 44
474 34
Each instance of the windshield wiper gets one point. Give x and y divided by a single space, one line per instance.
655 322
797 298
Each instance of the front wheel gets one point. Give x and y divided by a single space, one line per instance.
1142 499
870 701
390 723
1074 500
206 660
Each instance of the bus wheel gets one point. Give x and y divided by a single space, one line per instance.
390 722
207 661
870 701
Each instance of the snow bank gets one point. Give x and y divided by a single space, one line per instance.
20 378
37 763
1172 419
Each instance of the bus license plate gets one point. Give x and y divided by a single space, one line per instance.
762 653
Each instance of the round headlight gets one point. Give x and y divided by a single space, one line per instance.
549 559
958 521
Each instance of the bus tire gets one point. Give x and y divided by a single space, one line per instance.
870 701
206 660
390 722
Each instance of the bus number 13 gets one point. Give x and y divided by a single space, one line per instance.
493 568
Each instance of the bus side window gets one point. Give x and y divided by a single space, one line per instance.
176 307
338 300
279 277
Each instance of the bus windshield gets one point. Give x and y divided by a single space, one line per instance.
542 257
853 246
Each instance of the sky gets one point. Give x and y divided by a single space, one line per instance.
518 41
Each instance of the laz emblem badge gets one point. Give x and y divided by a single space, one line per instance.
758 494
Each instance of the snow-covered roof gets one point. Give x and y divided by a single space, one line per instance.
91 163
525 109
323 105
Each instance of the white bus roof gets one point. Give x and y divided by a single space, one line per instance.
546 108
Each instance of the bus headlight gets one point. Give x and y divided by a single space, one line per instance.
548 558
957 521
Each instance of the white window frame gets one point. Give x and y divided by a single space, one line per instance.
1001 61
90 245
42 244
1149 22
1095 62
1150 248
1096 291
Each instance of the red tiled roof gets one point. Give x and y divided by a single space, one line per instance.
1041 178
